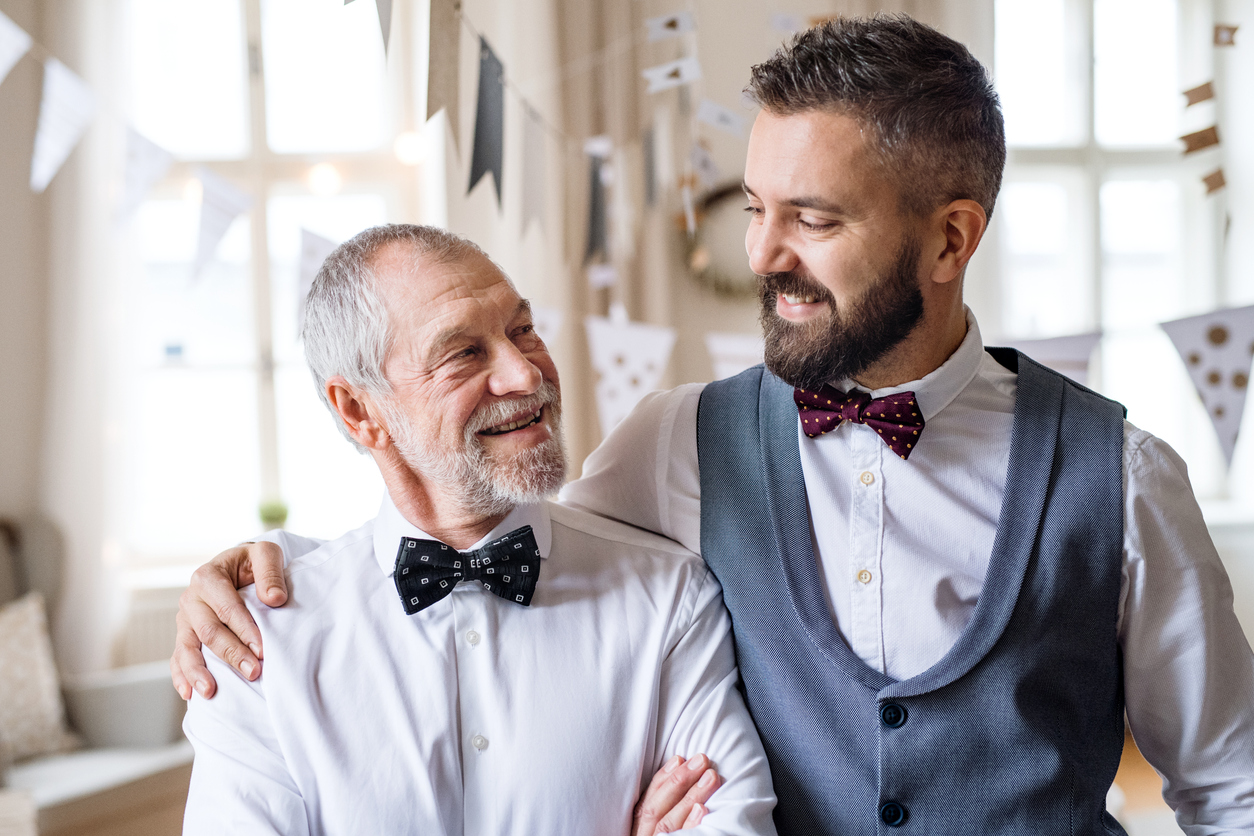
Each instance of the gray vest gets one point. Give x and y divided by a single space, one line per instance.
1019 728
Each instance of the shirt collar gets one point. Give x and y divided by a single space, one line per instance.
938 388
390 527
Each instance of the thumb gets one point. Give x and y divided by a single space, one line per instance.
266 561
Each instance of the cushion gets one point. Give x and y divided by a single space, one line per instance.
32 715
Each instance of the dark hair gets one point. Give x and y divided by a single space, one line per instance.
935 121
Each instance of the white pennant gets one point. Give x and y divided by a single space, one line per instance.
630 357
146 164
786 24
669 26
731 354
1216 349
314 250
66 110
548 324
672 74
384 7
723 118
221 203
14 43
703 164
1065 355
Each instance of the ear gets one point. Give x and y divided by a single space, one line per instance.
355 409
962 223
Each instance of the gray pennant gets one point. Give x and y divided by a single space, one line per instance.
598 228
533 168
489 120
444 58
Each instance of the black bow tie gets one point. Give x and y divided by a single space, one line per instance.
427 570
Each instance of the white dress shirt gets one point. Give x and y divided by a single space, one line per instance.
478 715
904 547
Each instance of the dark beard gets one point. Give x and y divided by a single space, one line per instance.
849 341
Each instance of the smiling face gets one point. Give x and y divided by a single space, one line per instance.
475 408
837 259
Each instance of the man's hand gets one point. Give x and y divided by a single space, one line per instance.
211 611
675 799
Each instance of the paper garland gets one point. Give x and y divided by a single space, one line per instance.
14 43
314 250
672 74
630 358
670 26
723 118
146 164
1065 355
220 204
489 120
66 110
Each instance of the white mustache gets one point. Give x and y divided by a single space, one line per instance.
499 412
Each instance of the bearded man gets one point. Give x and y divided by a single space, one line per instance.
950 570
473 660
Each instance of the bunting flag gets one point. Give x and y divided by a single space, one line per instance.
601 276
1200 93
1217 348
66 110
1199 140
533 168
786 24
220 204
1214 181
1065 355
314 250
548 323
630 358
146 164
489 120
690 209
703 164
14 43
731 354
598 149
672 74
723 118
444 58
649 154
1225 34
384 7
670 26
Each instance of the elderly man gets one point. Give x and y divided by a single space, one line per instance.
474 660
950 570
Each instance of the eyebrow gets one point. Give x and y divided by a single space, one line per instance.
805 202
449 335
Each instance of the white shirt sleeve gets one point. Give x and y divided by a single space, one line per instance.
1188 669
240 781
293 545
645 472
700 710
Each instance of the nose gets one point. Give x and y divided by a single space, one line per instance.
769 250
512 373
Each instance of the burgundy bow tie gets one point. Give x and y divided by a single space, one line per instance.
896 418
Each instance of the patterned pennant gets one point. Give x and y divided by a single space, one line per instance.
630 358
723 118
444 58
1200 93
703 164
548 323
1199 140
66 110
489 120
1214 181
1065 355
221 203
14 43
1225 34
731 354
314 250
672 74
670 26
146 164
533 167
1217 348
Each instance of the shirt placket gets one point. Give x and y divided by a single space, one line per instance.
866 546
475 698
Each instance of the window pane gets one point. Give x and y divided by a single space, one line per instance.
188 85
326 80
1036 73
1136 89
1141 222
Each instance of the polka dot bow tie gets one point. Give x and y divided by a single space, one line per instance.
896 418
427 570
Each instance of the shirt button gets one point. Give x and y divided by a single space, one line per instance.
867 477
864 576
473 637
479 742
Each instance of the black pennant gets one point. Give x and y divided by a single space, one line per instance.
489 120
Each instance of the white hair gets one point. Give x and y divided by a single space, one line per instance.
346 330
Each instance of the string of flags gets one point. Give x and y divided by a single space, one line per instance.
1225 36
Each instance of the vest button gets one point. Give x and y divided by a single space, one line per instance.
893 715
893 814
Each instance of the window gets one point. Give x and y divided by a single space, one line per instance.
1104 225
295 103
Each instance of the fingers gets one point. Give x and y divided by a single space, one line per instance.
670 801
696 795
187 665
695 817
212 609
265 562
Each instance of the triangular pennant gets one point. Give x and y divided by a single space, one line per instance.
597 243
1200 93
146 164
1225 34
548 323
786 24
705 167
723 118
385 20
601 276
672 74
314 250
669 26
630 358
1217 348
533 168
1199 140
489 120
1214 181
444 59
14 43
66 110
1065 355
731 354
220 204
